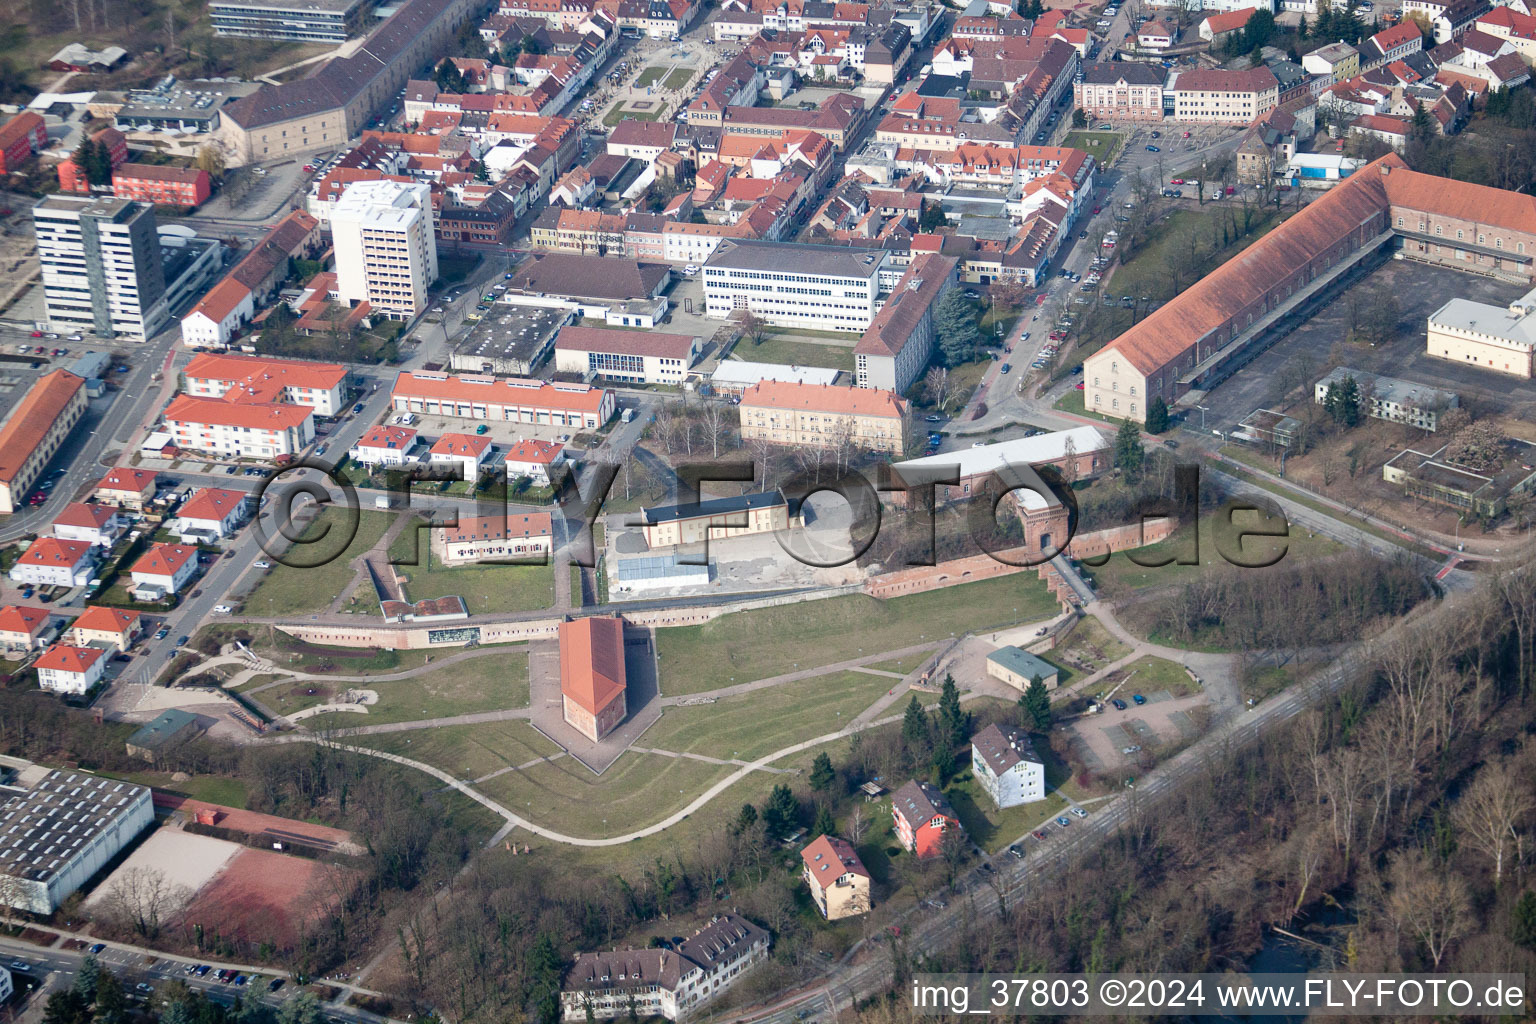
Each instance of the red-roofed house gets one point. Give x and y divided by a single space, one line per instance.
67 669
838 879
126 487
98 525
386 446
110 627
512 536
592 675
466 451
533 459
1391 130
922 817
1216 28
1511 25
213 513
317 386
51 562
165 567
22 627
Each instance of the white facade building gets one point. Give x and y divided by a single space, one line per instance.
64 668
170 567
317 386
63 830
98 525
51 562
107 270
386 252
1006 766
824 287
386 446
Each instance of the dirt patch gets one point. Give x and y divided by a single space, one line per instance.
263 896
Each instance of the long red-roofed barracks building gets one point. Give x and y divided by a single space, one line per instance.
1186 343
511 400
167 186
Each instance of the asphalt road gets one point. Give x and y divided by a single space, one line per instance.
57 968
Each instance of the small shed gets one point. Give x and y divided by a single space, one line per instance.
164 731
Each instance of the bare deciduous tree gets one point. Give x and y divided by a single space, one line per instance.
1427 902
142 898
1489 815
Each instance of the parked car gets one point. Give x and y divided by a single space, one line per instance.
1138 699
162 633
97 947
1063 821
1017 851
1119 704
182 641
1079 812
1005 368
263 564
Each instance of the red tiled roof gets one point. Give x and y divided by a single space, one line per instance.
592 662
105 620
509 526
42 406
824 398
543 452
53 551
256 370
188 409
18 618
461 444
67 658
387 437
1229 21
828 858
128 480
214 504
164 559
78 513
518 392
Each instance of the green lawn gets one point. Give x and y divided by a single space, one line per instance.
650 76
493 682
910 663
1072 402
778 349
327 569
1102 146
638 790
678 79
758 723
772 641
484 588
1120 574
618 114
1151 675
213 789
994 829
467 751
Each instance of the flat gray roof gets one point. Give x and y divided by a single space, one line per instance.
1390 389
1496 321
508 331
793 258
42 829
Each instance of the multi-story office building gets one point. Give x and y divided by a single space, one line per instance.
826 287
386 253
302 21
106 269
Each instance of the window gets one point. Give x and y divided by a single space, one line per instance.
1438 231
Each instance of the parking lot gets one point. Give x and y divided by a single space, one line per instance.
1419 289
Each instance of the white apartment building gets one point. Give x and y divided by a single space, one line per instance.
1006 766
386 252
238 431
107 270
317 386
98 525
823 287
1387 398
465 453
64 668
51 562
386 446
